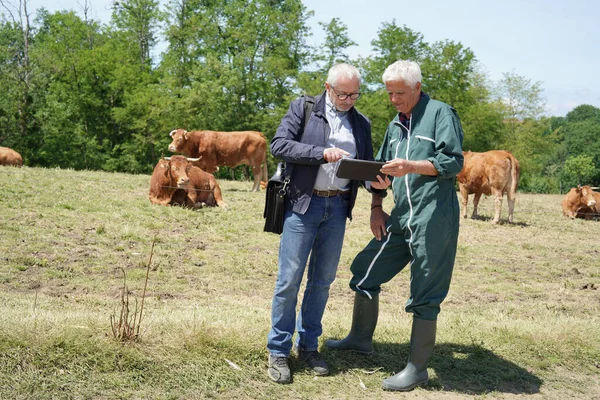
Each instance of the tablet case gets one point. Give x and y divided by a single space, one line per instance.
362 170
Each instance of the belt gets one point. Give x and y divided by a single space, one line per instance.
329 193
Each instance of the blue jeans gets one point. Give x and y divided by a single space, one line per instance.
320 233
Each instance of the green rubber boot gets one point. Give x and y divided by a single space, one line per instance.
364 321
422 340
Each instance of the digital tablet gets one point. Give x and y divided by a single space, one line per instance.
362 170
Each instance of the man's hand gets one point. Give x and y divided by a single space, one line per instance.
397 167
400 167
380 183
378 219
333 154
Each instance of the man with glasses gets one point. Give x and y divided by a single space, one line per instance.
317 206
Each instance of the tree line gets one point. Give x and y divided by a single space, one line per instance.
77 93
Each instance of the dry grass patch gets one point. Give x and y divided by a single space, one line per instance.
521 319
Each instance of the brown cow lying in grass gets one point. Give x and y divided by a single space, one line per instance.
230 149
10 157
175 181
493 172
582 202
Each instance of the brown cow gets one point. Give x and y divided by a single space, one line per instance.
581 202
175 181
492 172
223 149
10 157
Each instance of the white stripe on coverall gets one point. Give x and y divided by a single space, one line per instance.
409 218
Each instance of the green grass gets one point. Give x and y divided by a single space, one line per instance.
522 319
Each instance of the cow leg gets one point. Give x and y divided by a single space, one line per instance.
511 206
464 194
210 200
193 195
265 172
218 196
189 203
497 205
256 171
476 198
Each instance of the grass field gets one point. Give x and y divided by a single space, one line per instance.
522 320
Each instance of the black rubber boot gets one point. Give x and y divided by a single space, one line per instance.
364 321
422 340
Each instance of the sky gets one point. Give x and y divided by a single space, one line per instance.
556 43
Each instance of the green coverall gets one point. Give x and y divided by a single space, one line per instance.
423 225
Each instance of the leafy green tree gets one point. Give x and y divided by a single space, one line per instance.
392 43
583 138
336 43
376 105
15 67
67 88
518 98
583 112
521 98
138 18
534 151
232 65
331 52
480 119
482 126
447 69
579 170
9 86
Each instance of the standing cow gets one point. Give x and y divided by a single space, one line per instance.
10 157
223 149
175 181
493 172
581 202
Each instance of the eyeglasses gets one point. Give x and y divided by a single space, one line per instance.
353 96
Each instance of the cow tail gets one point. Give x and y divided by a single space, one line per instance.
515 171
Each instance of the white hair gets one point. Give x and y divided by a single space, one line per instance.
342 70
406 71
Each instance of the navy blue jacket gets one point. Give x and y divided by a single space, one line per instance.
306 156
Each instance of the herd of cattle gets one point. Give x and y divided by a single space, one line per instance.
188 179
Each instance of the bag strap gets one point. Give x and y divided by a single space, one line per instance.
309 104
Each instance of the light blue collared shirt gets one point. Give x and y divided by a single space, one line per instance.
340 137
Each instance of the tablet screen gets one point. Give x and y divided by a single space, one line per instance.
361 170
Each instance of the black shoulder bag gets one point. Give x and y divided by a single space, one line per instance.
277 185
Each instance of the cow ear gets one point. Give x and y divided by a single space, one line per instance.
185 135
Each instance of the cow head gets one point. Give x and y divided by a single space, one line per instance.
586 195
179 137
177 168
